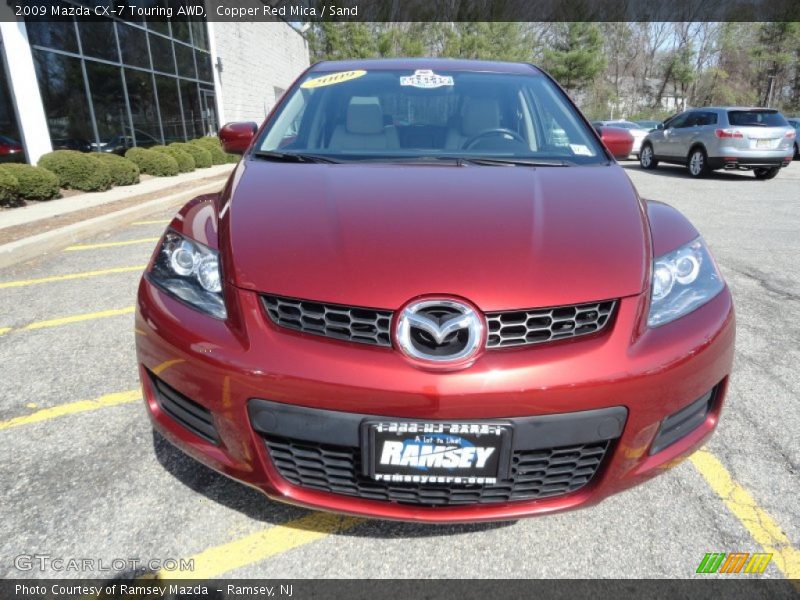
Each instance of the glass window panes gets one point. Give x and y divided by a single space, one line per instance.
199 34
204 69
180 30
144 111
192 114
108 100
59 36
10 140
65 103
133 44
98 40
161 51
185 58
169 103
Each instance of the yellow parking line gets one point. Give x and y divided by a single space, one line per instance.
72 319
82 275
258 546
110 244
155 222
70 408
761 526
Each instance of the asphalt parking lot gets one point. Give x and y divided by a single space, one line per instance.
84 476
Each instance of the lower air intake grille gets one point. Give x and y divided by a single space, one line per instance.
534 474
535 326
350 323
191 415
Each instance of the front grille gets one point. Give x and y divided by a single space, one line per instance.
535 474
350 323
535 326
188 413
372 326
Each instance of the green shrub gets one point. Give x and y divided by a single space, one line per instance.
35 183
232 158
201 156
213 145
185 160
152 162
77 170
9 188
123 171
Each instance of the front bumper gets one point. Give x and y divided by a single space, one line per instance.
274 396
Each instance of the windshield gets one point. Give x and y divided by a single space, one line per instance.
408 114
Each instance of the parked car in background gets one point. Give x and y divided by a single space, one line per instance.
78 144
648 125
619 141
638 132
120 143
705 139
795 122
11 150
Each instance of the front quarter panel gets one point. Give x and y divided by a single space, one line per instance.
669 229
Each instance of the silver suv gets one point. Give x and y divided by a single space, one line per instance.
705 139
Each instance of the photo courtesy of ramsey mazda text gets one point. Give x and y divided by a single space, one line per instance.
471 316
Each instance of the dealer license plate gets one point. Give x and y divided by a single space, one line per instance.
436 453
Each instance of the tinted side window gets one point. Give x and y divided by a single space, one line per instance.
679 121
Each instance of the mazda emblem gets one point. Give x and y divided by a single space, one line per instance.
439 331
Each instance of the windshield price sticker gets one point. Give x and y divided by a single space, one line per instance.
426 79
332 79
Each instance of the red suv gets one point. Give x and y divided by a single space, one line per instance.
427 292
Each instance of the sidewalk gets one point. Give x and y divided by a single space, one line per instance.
30 231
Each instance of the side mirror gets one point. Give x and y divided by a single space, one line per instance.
660 126
236 137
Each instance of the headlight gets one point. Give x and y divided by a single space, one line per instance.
683 280
191 272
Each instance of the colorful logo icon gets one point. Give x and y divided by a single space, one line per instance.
734 562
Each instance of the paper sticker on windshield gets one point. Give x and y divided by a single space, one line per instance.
332 79
580 150
427 79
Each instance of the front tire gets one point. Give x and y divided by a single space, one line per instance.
766 173
697 163
647 159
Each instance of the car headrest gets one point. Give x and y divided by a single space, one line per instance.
479 114
364 115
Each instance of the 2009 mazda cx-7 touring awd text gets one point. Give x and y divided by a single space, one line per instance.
427 292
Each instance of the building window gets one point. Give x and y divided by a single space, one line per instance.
98 39
65 102
10 141
144 111
109 85
108 101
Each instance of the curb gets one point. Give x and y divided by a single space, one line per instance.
48 241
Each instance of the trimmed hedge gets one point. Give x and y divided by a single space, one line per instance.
9 188
185 160
77 170
214 147
152 162
34 183
123 171
201 156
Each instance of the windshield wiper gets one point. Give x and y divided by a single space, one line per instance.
518 162
292 157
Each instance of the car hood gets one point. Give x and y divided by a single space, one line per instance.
378 235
